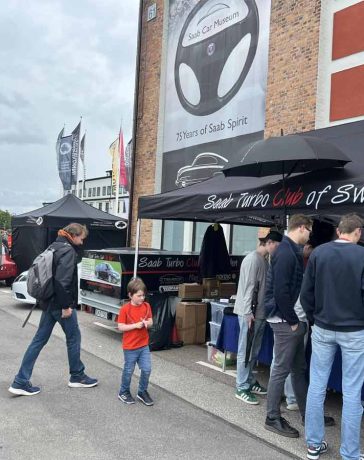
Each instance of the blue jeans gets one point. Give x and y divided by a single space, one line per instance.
45 328
324 346
244 375
132 357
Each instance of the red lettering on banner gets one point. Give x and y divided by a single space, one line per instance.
290 198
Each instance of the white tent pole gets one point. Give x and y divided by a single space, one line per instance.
136 254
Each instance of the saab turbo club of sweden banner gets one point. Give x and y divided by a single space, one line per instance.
216 76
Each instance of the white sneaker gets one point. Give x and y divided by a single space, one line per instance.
292 406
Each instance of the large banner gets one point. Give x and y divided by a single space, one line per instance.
216 74
65 161
75 153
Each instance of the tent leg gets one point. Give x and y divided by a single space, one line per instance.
136 248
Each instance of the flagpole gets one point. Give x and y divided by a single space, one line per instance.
78 157
117 178
84 167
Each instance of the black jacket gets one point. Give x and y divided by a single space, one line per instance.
65 274
333 287
214 257
284 279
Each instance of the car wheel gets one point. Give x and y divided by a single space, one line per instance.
9 281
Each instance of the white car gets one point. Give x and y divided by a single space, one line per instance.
20 292
19 289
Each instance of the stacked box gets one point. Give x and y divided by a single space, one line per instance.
210 288
191 322
226 290
190 291
214 331
216 357
217 312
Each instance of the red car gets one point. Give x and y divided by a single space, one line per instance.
8 268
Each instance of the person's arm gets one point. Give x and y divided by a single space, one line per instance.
63 281
283 266
148 321
307 295
129 327
247 281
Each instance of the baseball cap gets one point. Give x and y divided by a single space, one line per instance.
273 235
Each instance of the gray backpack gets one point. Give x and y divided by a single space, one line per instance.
40 276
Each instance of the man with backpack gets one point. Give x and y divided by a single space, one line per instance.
61 308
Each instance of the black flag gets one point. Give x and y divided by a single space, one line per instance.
65 161
75 153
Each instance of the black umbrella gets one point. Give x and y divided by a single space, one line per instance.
286 155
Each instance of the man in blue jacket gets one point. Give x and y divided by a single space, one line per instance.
333 299
283 286
62 309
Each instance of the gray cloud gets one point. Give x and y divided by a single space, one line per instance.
63 59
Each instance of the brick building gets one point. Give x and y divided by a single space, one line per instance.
315 67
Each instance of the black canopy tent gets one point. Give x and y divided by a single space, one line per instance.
33 231
325 194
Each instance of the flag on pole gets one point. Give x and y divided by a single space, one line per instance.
82 149
113 151
65 161
75 152
58 144
128 154
123 180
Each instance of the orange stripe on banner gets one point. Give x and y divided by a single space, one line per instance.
348 36
347 94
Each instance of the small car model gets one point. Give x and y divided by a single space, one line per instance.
8 268
204 166
104 271
19 289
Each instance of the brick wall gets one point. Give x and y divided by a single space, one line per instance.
148 107
291 87
292 71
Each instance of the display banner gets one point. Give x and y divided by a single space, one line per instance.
114 152
65 161
216 74
82 148
75 152
58 144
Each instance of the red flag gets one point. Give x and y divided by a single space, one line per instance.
123 180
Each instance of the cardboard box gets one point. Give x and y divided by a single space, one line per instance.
210 288
226 290
190 291
191 322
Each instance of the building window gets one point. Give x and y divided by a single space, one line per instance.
94 191
172 235
89 192
200 229
98 191
107 207
104 190
244 239
80 193
100 206
109 190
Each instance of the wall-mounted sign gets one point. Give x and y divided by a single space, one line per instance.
152 12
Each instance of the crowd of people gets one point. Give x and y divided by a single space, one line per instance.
307 283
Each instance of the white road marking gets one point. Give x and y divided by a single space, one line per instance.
105 326
216 368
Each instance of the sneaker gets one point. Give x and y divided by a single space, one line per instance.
82 382
292 406
126 398
281 426
257 389
24 390
313 453
145 398
247 397
329 421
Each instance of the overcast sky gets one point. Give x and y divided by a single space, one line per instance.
61 59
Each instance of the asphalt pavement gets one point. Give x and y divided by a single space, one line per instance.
64 423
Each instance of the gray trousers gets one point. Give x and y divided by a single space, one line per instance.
290 357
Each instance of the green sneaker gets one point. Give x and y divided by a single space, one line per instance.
257 389
246 397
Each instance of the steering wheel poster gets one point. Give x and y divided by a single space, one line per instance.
215 85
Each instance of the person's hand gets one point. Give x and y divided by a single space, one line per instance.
66 312
249 318
294 327
139 325
145 322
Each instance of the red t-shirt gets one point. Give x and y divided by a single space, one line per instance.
131 314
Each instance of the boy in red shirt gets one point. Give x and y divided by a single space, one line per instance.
134 320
